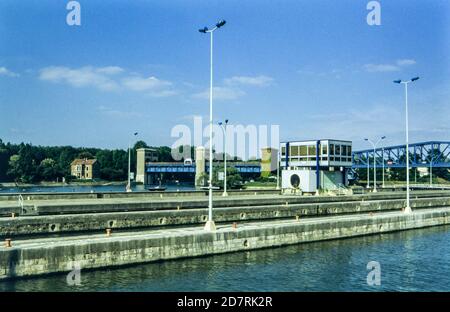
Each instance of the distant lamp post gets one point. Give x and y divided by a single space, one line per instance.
224 128
210 225
278 169
374 145
432 159
128 188
408 207
368 175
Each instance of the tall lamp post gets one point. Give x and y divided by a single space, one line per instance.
224 128
382 155
210 225
405 83
128 188
374 145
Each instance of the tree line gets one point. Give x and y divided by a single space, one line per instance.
26 163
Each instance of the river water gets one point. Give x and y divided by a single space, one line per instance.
89 188
415 260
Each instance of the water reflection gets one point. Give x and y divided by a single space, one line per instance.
91 188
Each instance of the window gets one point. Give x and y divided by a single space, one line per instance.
349 150
294 151
338 150
344 150
311 150
324 149
283 151
303 150
331 149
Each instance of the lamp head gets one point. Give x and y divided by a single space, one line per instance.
383 137
226 121
220 23
203 30
366 139
415 78
220 123
397 81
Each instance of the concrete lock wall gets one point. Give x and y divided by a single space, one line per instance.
101 251
48 224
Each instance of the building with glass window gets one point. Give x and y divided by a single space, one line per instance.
317 164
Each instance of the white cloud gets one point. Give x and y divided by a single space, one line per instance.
110 70
80 77
221 93
231 90
117 113
137 83
399 64
259 81
373 68
6 72
406 62
107 78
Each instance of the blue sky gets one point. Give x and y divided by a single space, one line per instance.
316 68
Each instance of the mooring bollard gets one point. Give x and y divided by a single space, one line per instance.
8 243
178 207
13 215
108 232
297 218
234 225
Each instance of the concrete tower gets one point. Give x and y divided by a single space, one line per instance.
199 164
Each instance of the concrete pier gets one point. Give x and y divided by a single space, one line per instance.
51 255
192 215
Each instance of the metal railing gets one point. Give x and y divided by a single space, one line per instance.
20 203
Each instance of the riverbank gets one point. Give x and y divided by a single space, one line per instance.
54 184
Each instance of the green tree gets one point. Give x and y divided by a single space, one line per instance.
15 170
140 144
85 154
234 179
48 169
4 158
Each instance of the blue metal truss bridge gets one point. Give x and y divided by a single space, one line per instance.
243 168
425 154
